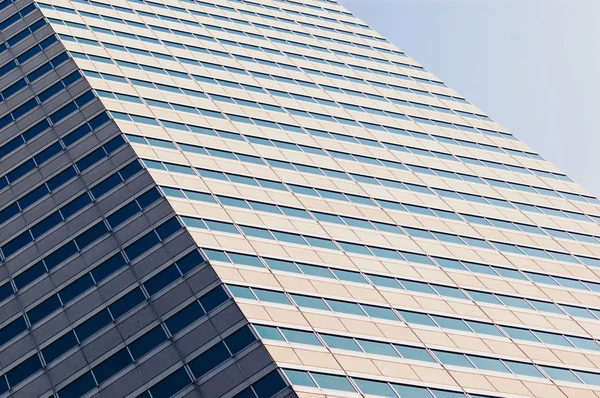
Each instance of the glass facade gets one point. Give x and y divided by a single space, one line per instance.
267 199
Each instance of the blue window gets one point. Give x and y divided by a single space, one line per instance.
22 371
112 365
59 347
170 385
209 360
78 387
43 309
126 303
184 317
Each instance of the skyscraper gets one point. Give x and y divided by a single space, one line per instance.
267 199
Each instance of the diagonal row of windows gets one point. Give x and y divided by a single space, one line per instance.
477 243
275 163
106 316
471 178
373 251
538 277
377 312
345 276
29 274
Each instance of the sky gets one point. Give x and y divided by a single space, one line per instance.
531 65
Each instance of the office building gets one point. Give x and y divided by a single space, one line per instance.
266 198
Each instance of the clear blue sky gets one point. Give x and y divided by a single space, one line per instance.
532 65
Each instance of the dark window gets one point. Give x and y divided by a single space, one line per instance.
112 365
79 387
126 303
184 318
11 330
141 245
46 224
213 299
269 385
124 213
93 325
24 370
209 360
240 340
75 205
190 261
61 178
171 384
60 255
36 130
6 290
108 267
91 235
147 342
59 347
16 244
75 288
48 153
43 309
161 280
168 228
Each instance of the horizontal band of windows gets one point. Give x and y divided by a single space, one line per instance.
328 51
410 317
323 134
255 36
357 56
537 277
312 169
30 78
395 147
67 140
259 61
111 313
103 271
401 116
136 349
54 118
384 227
355 385
415 232
258 25
410 352
384 281
368 250
85 239
317 192
233 70
268 50
344 156
307 149
25 107
59 180
441 290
